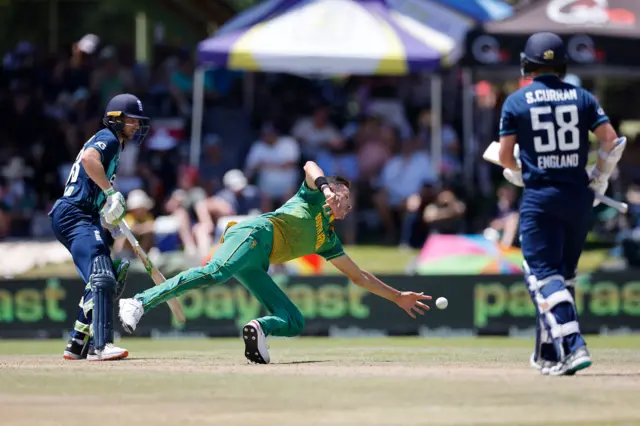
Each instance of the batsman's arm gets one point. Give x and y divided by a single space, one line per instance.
607 136
92 162
506 153
608 139
508 132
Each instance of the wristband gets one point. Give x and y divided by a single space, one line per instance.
109 192
320 182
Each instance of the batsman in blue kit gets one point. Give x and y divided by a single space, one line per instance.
89 205
544 147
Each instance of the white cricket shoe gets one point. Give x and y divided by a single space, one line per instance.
255 343
131 311
574 362
110 353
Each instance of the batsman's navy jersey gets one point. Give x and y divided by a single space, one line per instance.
552 120
80 190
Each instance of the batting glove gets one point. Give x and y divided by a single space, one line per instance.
114 230
115 208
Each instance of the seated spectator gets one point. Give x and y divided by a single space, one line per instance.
274 161
214 165
141 221
445 215
18 197
504 226
414 230
181 85
451 164
244 199
376 143
237 198
110 78
22 120
158 165
181 205
82 118
401 177
315 133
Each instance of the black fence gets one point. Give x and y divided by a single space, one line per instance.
485 304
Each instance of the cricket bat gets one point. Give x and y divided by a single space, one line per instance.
156 275
491 154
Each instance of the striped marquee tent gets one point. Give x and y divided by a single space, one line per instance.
332 37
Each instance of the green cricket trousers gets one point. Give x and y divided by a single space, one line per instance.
244 254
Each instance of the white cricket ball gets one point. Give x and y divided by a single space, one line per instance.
442 302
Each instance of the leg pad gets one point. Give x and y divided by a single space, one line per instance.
103 285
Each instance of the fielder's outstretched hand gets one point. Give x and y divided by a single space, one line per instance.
410 302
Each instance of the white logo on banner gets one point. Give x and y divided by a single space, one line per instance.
593 13
576 12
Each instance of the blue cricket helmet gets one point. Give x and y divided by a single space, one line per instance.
126 105
544 50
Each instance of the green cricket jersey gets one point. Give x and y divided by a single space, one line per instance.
303 226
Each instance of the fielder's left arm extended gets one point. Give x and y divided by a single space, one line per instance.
407 300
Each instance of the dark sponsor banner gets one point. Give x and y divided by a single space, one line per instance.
333 306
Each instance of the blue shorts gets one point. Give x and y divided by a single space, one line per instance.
81 233
554 223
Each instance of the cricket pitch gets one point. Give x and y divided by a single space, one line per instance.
318 381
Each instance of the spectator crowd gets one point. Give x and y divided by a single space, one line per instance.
374 131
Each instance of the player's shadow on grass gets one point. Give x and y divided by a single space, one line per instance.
303 362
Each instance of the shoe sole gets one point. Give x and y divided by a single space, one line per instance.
251 351
69 356
586 363
113 358
579 364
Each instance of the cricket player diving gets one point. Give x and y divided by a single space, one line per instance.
302 226
544 147
89 204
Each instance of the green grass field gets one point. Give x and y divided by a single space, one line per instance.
318 381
